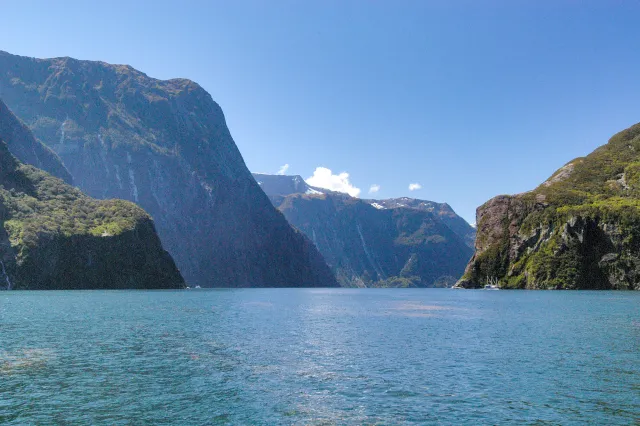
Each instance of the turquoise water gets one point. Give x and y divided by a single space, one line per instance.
314 356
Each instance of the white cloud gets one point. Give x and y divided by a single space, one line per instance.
324 178
282 170
374 188
414 186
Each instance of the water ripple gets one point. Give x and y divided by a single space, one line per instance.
319 357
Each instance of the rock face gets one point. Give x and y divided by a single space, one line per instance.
165 146
26 148
368 244
54 237
578 230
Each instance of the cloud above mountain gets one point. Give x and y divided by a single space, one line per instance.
324 178
374 188
414 186
282 170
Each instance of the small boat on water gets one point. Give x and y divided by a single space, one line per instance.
492 284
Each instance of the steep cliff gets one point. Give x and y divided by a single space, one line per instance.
26 148
367 244
54 237
580 229
164 145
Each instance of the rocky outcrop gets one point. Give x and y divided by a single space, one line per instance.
54 237
580 229
165 146
370 245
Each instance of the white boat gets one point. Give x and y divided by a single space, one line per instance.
492 284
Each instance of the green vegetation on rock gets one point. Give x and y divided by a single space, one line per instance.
55 237
49 207
578 230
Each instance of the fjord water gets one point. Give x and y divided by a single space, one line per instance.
314 356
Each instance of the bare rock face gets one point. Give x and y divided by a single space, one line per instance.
165 146
580 229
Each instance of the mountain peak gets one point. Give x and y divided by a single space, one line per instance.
279 187
284 185
368 244
165 145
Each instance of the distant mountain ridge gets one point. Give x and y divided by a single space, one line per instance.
375 243
285 185
165 146
442 210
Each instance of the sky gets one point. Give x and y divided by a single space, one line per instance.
449 101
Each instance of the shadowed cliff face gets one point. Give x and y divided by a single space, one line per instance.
578 230
165 146
54 237
371 246
26 148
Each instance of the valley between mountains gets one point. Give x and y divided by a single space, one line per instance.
110 178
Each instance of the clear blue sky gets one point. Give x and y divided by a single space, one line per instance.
468 98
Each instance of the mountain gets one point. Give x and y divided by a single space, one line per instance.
165 146
443 210
26 148
368 244
282 185
55 237
580 229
